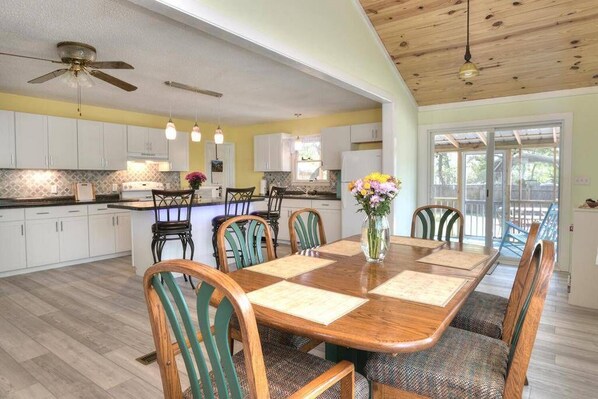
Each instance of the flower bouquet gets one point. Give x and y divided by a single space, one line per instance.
195 179
375 193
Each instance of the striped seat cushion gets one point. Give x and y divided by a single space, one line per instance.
272 335
483 314
288 370
461 365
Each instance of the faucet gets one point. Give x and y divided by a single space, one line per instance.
305 190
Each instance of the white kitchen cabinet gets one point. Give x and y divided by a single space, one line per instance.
102 146
366 133
43 242
12 240
7 140
73 238
334 140
101 234
115 146
178 154
123 232
288 207
31 141
158 143
331 217
272 152
584 259
137 140
146 142
62 143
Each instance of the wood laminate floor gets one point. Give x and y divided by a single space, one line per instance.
75 332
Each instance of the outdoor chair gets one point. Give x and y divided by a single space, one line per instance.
514 236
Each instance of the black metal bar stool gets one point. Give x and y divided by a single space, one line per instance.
236 203
272 215
172 211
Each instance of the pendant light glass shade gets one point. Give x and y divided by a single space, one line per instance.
298 144
195 134
170 130
74 79
218 136
468 70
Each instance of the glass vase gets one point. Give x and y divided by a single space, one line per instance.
375 237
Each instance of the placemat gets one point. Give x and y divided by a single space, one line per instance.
343 247
290 266
431 289
456 259
313 304
416 242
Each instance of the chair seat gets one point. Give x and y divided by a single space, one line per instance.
274 336
482 313
461 365
218 220
264 214
288 370
171 227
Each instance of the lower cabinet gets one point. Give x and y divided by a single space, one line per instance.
12 246
109 233
329 210
332 223
73 238
43 242
123 232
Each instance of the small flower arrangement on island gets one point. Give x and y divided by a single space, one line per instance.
195 179
375 193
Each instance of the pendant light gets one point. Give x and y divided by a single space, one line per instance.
170 130
469 69
195 132
218 135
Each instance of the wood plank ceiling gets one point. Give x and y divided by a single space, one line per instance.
520 46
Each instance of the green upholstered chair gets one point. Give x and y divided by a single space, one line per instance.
242 236
437 222
306 230
515 237
259 371
465 365
485 313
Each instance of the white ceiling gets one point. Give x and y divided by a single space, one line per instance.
256 89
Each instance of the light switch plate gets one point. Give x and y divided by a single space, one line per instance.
168 186
53 189
582 181
114 187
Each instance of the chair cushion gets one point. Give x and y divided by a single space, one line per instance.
218 220
274 336
461 365
264 214
288 370
170 226
483 314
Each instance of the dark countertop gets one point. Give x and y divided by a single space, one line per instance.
149 205
312 197
6 203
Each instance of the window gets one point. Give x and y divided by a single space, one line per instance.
307 162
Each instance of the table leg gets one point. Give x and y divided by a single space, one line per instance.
336 353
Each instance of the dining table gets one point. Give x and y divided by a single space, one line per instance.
383 323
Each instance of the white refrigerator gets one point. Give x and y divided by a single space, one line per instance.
355 165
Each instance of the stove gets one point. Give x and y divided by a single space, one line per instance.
140 190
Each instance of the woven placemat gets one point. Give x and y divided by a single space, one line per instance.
416 242
343 247
456 259
290 266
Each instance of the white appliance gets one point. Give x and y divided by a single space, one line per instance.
208 192
355 165
140 190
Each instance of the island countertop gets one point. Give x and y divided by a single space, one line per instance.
149 205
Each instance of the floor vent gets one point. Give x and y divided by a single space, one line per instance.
147 359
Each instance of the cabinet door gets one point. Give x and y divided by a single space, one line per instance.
101 234
137 140
178 153
279 152
91 145
334 140
283 223
74 241
7 140
366 133
43 247
12 246
123 232
158 144
332 223
62 143
31 136
115 146
261 153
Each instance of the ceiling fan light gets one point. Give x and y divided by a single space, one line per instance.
468 70
170 130
218 136
195 134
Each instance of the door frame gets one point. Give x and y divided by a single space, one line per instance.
565 208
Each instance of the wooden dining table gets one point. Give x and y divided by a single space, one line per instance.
383 323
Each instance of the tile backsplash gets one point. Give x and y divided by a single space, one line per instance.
285 179
18 183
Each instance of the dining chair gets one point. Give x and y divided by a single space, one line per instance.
515 237
485 313
272 213
258 371
436 222
243 236
463 364
306 230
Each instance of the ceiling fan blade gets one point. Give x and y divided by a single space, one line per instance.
109 65
48 76
113 81
31 58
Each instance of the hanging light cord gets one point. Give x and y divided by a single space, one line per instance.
467 53
218 112
79 98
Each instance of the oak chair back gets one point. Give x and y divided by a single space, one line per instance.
306 230
167 306
244 236
436 222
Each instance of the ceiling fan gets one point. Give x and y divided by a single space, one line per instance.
81 61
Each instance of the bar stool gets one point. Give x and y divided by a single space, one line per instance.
172 213
236 203
272 215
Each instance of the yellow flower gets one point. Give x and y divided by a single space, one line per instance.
363 192
367 186
351 185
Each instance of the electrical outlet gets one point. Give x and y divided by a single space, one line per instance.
53 189
114 187
582 180
168 186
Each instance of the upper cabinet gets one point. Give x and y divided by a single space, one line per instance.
144 142
7 140
366 133
115 146
334 140
62 143
102 146
178 154
272 152
31 141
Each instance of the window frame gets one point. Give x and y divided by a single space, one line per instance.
295 160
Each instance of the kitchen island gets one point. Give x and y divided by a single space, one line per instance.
202 212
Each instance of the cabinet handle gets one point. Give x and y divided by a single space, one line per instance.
61 227
11 159
22 230
46 160
101 209
117 220
74 211
42 213
325 204
105 162
113 220
57 226
51 160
